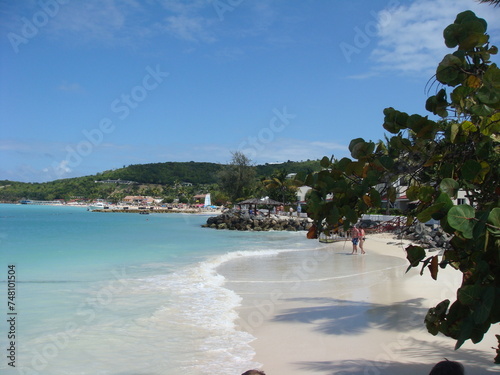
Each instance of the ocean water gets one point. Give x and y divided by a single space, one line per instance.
124 294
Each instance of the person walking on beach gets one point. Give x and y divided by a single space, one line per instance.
355 239
362 240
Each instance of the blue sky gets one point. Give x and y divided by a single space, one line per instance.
88 86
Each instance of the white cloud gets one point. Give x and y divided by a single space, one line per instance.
9 145
189 28
129 22
410 36
102 21
71 87
283 149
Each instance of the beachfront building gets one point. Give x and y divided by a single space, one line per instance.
402 202
138 200
199 198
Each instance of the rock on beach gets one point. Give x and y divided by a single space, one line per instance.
242 220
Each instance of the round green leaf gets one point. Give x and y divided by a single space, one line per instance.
470 169
325 162
461 218
449 186
448 69
359 148
412 193
450 35
494 221
426 193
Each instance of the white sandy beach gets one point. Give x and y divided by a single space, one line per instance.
329 312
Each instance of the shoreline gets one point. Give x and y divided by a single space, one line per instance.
131 209
325 311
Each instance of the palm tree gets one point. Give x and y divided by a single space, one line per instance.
280 183
493 2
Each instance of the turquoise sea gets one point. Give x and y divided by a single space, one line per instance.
124 294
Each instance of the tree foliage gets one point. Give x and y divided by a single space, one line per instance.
438 157
237 179
281 188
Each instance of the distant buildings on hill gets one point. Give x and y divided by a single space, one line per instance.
120 182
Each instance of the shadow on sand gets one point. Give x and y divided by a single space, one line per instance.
343 317
339 317
475 360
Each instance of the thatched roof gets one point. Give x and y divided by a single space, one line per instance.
263 201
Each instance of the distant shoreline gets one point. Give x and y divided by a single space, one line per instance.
129 209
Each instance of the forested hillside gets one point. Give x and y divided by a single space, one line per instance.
159 179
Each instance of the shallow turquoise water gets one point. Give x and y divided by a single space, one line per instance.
125 293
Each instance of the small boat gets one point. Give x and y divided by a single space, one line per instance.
332 240
143 213
324 238
98 206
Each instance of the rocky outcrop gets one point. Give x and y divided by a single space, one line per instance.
433 239
242 220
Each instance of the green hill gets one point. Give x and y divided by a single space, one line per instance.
151 179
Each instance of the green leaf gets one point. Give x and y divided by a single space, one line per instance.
427 214
470 169
325 162
415 254
333 216
447 170
450 35
450 187
387 162
426 193
394 120
491 125
461 218
343 163
375 197
469 294
448 70
482 110
465 332
349 214
454 132
444 200
483 309
412 193
435 315
468 127
494 221
362 150
436 104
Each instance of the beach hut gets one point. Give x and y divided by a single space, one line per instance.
266 201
